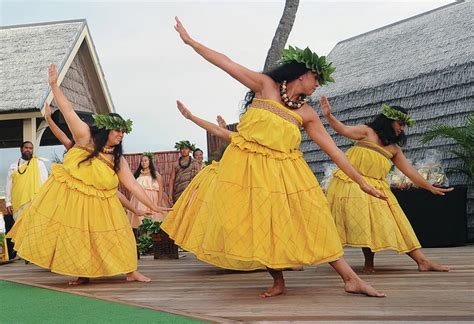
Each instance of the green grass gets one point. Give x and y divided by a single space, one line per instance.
26 304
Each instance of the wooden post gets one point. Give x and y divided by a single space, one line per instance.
29 130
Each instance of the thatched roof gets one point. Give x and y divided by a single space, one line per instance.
424 63
27 52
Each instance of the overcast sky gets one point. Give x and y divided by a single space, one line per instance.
147 67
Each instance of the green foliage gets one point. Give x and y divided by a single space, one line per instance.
144 244
146 229
112 123
394 114
311 60
464 138
182 144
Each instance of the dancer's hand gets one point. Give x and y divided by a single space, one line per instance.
371 191
52 75
159 209
439 191
182 32
9 210
326 108
183 110
221 122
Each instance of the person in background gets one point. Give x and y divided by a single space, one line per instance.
24 179
183 172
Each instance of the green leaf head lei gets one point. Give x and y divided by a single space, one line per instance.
112 123
394 114
182 144
311 60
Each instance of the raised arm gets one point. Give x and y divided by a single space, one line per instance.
60 135
315 129
126 178
405 166
255 81
214 129
357 132
80 130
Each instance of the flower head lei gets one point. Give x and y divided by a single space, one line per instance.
394 114
112 123
312 62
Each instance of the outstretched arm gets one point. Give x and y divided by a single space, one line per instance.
126 178
315 129
405 166
357 132
214 129
80 130
251 79
60 135
128 205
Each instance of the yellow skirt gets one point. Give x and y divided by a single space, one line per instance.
257 208
75 229
366 221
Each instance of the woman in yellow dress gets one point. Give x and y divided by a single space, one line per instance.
261 206
362 221
75 225
68 143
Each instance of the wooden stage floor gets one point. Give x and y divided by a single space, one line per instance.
190 287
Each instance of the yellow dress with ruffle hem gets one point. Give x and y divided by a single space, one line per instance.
76 225
363 220
261 205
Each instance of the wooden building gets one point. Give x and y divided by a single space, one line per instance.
27 52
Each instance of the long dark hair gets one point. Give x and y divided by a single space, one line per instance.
383 127
152 168
289 72
99 137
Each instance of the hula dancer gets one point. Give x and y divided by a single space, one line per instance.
261 206
362 221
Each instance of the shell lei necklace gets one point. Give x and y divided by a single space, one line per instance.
286 99
108 150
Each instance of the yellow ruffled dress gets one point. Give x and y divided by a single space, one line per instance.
363 220
76 225
261 205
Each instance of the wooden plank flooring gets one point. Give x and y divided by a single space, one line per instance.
190 287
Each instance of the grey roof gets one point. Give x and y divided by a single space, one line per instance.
422 44
25 55
425 64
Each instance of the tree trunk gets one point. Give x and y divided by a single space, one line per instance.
281 35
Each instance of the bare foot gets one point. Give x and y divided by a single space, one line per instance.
358 286
368 269
137 276
277 289
79 281
431 266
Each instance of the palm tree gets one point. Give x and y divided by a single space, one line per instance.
281 34
464 139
